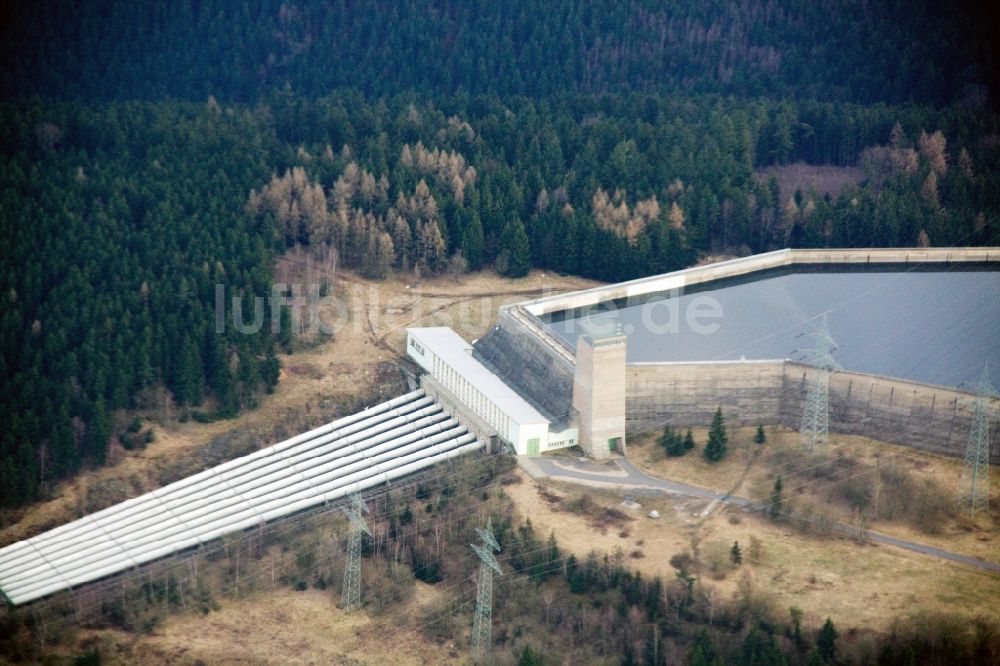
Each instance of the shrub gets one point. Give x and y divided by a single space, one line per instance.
683 561
756 549
716 558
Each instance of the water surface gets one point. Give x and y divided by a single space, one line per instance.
935 326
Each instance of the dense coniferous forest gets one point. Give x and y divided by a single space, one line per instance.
151 151
891 51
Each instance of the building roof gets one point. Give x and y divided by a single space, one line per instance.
454 351
361 451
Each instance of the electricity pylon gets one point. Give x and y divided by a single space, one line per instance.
815 426
482 623
351 596
974 487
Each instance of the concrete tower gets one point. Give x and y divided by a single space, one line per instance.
599 393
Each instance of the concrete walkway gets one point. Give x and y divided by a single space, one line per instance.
622 474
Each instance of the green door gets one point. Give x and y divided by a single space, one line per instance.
613 443
533 446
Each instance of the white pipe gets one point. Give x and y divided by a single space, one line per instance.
74 533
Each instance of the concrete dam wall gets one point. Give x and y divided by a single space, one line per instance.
926 417
687 394
538 362
530 360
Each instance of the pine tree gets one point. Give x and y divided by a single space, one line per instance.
8 483
270 370
797 637
760 649
472 243
553 549
826 642
776 506
515 250
217 372
530 658
26 473
703 651
65 457
735 554
189 379
715 449
98 432
145 374
760 437
688 440
249 378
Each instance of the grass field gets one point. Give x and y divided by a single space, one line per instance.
979 538
279 627
860 586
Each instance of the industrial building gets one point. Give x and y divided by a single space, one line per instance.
475 391
525 388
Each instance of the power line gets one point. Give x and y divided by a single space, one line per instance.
974 486
351 596
276 529
482 623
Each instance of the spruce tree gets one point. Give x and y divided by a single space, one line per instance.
8 483
26 478
472 243
735 554
672 443
759 647
529 657
826 642
270 370
189 379
688 440
796 614
703 652
98 432
774 509
760 437
552 549
515 250
715 449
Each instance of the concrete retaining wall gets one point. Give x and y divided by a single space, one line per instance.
927 417
923 416
755 263
687 394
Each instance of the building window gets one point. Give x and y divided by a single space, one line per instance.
416 346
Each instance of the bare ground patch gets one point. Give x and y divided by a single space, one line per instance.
825 179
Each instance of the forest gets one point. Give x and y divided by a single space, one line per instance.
892 51
152 151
